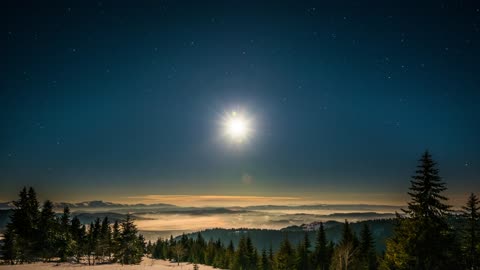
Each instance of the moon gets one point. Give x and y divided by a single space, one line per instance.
237 127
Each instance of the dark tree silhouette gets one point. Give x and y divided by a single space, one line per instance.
423 239
321 254
130 249
65 243
471 233
303 254
367 255
285 257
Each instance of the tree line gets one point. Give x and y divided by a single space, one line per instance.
37 234
428 236
322 254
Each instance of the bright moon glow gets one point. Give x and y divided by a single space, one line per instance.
237 127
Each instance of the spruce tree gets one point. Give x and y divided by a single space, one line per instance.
229 255
24 226
285 257
65 219
199 251
251 254
48 232
65 242
303 254
265 262
423 239
242 258
105 239
367 254
471 234
270 255
321 255
130 248
95 240
78 234
115 244
427 202
90 244
348 236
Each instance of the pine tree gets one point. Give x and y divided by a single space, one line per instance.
142 243
307 245
242 258
24 225
90 244
303 254
199 250
427 202
65 242
95 240
347 235
130 249
423 239
105 239
285 257
48 228
79 238
471 233
265 262
367 255
251 254
229 255
270 255
33 206
219 259
115 244
321 255
254 259
65 219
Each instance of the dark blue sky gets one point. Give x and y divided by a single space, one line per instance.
108 100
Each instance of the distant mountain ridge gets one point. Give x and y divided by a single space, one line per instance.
94 204
350 207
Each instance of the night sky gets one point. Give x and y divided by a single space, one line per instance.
104 100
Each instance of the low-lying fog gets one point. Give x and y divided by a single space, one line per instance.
171 220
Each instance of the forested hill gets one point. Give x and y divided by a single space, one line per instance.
263 238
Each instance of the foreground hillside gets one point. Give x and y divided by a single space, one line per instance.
145 264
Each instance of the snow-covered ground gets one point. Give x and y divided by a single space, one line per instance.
146 264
